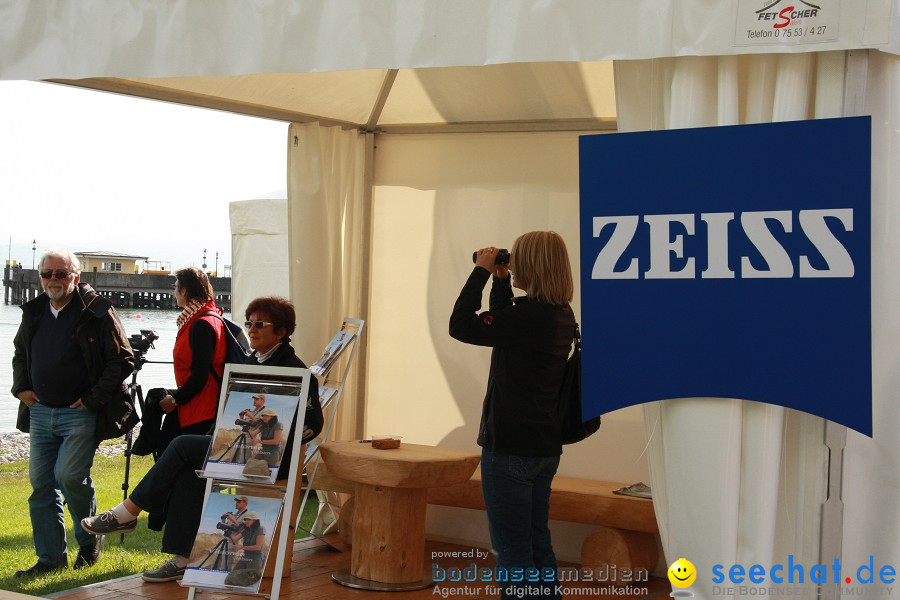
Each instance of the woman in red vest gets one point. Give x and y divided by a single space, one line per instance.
199 360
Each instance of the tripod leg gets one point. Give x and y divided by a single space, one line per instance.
218 550
136 394
240 450
230 446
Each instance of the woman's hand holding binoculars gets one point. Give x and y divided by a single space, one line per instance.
486 258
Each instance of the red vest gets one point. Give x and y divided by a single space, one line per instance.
203 406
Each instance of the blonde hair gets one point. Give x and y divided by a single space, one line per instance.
540 263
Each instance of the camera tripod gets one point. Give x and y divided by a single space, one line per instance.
241 449
137 401
222 562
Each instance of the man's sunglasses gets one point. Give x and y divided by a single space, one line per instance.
257 324
59 273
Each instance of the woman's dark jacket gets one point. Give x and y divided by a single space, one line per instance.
107 356
284 356
531 342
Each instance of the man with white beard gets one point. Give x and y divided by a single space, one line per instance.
71 357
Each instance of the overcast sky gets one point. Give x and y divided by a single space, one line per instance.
95 171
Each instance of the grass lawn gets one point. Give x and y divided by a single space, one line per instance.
139 552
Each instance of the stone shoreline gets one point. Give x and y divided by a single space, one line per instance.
14 447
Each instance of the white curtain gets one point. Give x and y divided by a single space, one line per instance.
325 214
733 481
872 466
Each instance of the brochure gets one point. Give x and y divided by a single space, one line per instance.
233 542
251 432
332 351
638 490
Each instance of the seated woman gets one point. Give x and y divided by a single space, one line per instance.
172 479
270 323
198 359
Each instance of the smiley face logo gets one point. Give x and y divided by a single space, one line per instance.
682 573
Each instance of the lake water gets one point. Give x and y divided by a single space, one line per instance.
150 376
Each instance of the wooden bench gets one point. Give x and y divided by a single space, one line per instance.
626 525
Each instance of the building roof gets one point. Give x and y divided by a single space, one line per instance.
103 254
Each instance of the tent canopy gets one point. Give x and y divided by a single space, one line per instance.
44 39
399 66
574 96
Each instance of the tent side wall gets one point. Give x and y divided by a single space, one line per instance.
438 198
259 247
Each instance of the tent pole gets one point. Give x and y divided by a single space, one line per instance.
362 362
832 531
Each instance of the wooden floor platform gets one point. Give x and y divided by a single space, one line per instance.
315 560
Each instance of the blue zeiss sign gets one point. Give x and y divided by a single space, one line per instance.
729 262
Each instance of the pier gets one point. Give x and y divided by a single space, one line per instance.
123 290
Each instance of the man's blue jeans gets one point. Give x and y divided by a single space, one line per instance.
60 460
516 493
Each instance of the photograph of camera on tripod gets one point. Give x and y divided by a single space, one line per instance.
251 434
233 540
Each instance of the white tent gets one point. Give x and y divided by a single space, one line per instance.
384 206
259 245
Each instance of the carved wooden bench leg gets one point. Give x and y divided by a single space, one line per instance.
628 551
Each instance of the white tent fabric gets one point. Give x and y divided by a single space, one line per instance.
43 39
737 481
327 255
872 466
259 250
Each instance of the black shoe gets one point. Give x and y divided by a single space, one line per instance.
39 568
89 553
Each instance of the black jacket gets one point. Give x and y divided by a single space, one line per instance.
107 355
285 356
531 342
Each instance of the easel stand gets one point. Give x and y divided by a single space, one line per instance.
236 375
289 492
330 409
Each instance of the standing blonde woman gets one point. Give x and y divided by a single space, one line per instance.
519 433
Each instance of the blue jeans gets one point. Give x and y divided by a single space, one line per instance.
61 455
516 493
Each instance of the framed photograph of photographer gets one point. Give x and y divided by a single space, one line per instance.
258 408
233 542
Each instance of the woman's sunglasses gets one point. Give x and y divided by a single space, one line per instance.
59 273
257 324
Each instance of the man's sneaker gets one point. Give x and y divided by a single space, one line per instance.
168 571
89 553
106 523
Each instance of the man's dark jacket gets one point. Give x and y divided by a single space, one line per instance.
107 355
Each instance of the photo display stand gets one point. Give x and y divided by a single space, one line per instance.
331 389
257 405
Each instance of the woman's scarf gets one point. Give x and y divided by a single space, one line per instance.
192 308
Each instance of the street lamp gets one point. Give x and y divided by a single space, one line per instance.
204 259
33 248
217 265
